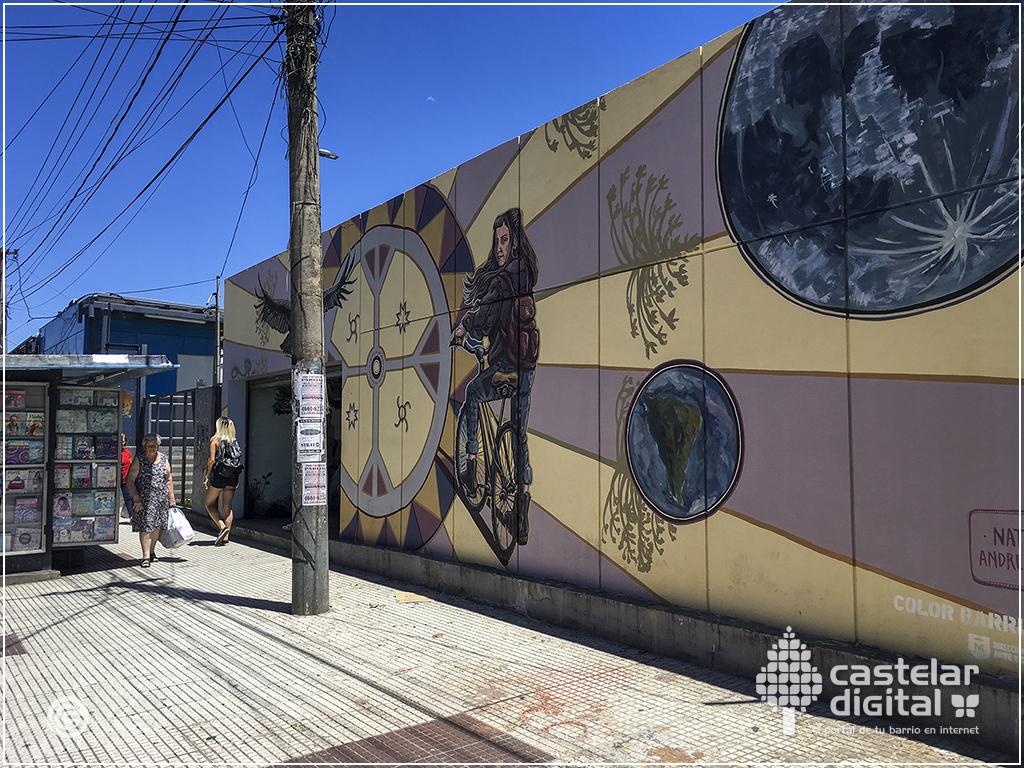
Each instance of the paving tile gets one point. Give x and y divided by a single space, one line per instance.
198 660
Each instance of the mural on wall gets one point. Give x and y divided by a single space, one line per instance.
277 313
683 441
839 189
644 235
627 521
492 454
396 371
578 129
884 194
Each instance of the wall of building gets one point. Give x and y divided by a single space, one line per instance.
778 314
74 334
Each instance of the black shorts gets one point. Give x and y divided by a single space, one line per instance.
217 480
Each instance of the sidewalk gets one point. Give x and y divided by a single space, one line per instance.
199 660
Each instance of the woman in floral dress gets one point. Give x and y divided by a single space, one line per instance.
152 489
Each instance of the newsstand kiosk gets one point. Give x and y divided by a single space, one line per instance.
62 450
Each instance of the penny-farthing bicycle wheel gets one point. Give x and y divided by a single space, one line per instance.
396 370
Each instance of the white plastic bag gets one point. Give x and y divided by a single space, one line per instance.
178 530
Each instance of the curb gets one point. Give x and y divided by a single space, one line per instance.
718 642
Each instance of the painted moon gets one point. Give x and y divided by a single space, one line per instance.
868 155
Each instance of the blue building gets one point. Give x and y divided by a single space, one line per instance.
104 323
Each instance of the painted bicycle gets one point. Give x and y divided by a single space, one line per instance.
496 482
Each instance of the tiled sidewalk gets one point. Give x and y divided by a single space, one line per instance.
198 660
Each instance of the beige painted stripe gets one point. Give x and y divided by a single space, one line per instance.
862 566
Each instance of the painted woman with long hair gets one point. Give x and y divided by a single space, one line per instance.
491 292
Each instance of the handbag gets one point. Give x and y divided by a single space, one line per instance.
177 530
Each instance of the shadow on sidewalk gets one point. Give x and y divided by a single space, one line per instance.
155 587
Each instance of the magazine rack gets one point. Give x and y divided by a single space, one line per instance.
87 466
25 477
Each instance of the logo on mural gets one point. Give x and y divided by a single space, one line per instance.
683 441
888 192
277 313
789 681
627 520
492 454
994 539
578 129
644 236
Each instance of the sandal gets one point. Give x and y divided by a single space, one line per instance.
145 562
222 537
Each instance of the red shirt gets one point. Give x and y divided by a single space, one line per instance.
126 462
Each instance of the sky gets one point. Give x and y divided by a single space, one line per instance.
145 147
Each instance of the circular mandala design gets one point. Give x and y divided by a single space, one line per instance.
397 373
683 441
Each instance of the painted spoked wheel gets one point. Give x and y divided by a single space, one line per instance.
396 371
505 493
476 501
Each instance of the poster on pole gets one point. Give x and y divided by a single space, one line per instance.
309 440
314 484
311 388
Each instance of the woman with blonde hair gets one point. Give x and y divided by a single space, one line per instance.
151 488
222 470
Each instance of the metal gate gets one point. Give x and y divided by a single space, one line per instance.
185 421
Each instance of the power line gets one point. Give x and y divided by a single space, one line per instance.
159 173
252 182
128 147
114 132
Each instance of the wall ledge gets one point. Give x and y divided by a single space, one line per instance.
722 643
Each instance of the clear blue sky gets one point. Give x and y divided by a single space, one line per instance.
95 105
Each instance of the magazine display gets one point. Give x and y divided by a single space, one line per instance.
27 539
88 448
81 529
26 510
24 481
25 485
105 475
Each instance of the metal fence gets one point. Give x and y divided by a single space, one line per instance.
184 420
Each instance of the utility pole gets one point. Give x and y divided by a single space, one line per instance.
3 291
216 321
310 557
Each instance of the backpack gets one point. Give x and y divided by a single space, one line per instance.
229 459
522 333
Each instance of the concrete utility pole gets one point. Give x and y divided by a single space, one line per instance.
310 557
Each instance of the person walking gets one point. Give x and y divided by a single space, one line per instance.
151 488
126 463
222 470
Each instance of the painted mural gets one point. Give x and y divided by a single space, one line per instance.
778 372
683 441
868 161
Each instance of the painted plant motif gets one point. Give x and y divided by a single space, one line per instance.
868 155
578 129
645 235
627 520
